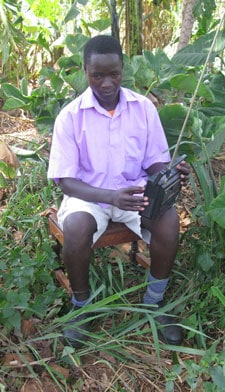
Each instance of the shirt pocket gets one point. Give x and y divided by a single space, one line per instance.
132 169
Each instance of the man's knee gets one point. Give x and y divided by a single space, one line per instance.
167 227
78 228
165 224
171 218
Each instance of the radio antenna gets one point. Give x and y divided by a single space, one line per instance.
195 93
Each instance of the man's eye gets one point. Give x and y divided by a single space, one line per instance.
115 75
97 76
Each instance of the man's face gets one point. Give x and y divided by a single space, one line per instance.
104 75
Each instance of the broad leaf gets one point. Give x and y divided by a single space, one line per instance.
56 83
157 61
77 80
76 43
3 183
218 377
188 83
217 86
144 76
12 91
196 54
15 103
128 74
205 262
71 61
7 170
72 14
214 131
100 24
217 210
172 118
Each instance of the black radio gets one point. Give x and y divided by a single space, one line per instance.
162 189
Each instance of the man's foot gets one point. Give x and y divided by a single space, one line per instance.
75 331
169 332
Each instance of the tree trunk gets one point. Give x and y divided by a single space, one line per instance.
187 23
114 26
133 27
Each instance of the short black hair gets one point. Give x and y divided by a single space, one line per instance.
102 44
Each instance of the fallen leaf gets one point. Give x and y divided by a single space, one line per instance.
8 156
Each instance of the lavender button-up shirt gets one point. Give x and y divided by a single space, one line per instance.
107 151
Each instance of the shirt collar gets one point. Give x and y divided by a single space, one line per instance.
88 99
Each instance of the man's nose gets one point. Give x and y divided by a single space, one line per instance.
107 81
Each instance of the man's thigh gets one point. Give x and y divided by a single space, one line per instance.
71 205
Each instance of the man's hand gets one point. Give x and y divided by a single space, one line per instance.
130 199
185 169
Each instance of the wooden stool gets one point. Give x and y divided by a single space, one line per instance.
115 234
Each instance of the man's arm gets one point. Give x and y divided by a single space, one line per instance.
84 191
125 198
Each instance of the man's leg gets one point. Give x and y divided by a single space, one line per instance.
78 230
163 249
164 242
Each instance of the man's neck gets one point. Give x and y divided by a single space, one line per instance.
108 105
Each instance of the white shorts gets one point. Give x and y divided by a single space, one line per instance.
102 216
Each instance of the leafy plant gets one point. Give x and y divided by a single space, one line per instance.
26 270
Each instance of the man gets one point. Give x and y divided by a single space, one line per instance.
104 145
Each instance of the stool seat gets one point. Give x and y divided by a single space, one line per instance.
115 234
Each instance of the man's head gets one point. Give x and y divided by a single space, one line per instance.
102 44
103 64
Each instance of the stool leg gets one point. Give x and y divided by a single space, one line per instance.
133 251
57 248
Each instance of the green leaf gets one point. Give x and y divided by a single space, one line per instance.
45 124
12 91
24 87
2 265
12 316
56 83
205 261
71 61
216 126
158 61
216 210
196 54
76 43
144 76
218 293
7 170
77 80
18 299
172 117
217 85
67 351
47 72
22 152
15 320
82 2
72 14
15 103
188 83
218 377
3 183
128 74
100 24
